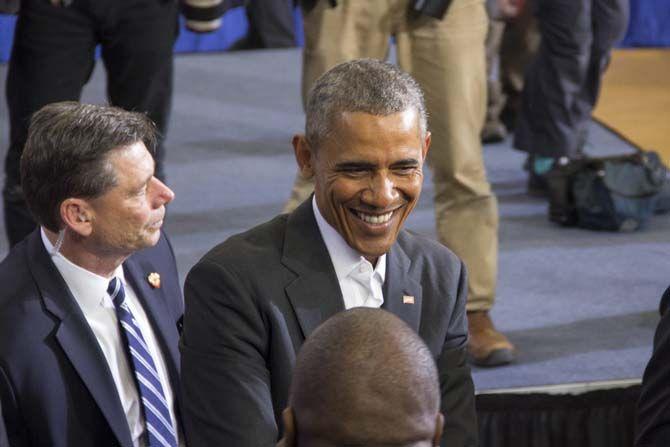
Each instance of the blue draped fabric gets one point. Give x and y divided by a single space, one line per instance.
649 27
649 24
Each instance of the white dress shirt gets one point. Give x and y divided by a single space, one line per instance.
360 282
90 292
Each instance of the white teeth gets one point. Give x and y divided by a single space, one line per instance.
375 219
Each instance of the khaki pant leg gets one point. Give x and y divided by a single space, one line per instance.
352 30
447 58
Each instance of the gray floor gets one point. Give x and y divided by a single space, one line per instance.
579 305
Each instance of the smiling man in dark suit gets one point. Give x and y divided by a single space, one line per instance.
252 301
90 301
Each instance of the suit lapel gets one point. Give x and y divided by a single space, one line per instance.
76 338
154 302
315 293
402 293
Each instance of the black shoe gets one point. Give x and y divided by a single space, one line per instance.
537 185
493 132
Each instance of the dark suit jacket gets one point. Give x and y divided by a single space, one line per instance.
3 433
55 386
251 301
653 413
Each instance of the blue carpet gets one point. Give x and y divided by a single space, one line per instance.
579 305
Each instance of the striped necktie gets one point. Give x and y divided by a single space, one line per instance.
160 431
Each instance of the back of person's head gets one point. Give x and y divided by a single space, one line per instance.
360 85
364 378
66 153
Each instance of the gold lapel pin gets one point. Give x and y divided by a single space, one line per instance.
407 299
154 279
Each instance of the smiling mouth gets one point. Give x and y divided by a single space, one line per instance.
374 219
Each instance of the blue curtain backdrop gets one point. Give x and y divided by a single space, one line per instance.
649 27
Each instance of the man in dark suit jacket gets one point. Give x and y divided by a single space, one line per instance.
653 417
69 354
252 301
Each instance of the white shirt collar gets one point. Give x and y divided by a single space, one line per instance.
344 258
82 282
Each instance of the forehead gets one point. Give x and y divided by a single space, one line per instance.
368 135
132 163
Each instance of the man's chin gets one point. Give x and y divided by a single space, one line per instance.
373 250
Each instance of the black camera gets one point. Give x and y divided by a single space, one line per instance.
433 8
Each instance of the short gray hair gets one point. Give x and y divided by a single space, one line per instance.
361 85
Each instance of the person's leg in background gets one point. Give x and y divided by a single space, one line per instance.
138 58
52 59
494 130
270 24
548 128
518 48
610 21
353 29
447 57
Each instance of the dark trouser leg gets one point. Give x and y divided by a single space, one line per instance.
51 60
548 126
271 23
493 129
518 48
610 21
139 62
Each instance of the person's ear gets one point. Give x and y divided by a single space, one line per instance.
439 426
77 215
303 155
426 144
289 429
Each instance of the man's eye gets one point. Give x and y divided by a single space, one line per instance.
355 172
405 170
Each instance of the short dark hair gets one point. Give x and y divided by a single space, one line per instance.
67 154
361 85
369 364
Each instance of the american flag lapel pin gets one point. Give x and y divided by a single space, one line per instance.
407 299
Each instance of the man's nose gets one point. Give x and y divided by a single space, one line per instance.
164 195
382 192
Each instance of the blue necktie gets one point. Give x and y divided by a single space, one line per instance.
160 431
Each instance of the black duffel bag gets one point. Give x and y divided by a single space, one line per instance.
618 193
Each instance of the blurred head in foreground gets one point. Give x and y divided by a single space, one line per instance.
363 378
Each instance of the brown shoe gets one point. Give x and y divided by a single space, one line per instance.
487 346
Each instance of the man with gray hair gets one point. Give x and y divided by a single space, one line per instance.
252 300
349 389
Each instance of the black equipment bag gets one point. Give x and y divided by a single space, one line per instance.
616 193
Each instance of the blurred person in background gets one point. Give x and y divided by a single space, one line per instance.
562 83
